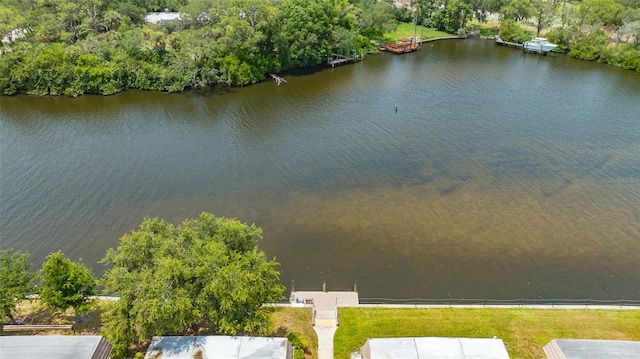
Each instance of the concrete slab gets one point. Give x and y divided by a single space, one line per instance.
325 311
328 300
325 341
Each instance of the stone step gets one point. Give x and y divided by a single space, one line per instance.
326 322
326 314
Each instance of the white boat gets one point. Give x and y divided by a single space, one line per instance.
539 44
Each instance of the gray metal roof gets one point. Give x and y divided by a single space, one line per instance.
592 349
434 347
219 347
54 347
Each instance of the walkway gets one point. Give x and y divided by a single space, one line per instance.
325 314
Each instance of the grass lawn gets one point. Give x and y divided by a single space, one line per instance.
405 30
289 320
524 331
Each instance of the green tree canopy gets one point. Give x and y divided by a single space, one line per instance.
544 11
171 278
516 10
512 32
375 15
16 282
592 14
66 284
305 31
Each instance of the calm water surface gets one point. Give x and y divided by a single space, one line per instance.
502 175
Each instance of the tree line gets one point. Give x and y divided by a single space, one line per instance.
602 30
204 273
73 47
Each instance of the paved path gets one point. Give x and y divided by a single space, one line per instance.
325 315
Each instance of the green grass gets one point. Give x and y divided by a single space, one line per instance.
524 331
405 30
289 320
486 29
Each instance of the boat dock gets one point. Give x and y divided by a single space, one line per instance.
339 59
278 79
526 47
325 314
501 42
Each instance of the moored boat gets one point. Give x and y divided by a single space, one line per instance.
538 44
402 46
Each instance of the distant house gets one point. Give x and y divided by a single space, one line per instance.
55 346
219 347
433 347
591 349
162 18
13 35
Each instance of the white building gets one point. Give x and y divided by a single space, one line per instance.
161 17
219 347
54 346
592 349
434 348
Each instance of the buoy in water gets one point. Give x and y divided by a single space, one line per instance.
396 108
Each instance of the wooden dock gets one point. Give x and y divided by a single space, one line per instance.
278 79
339 59
501 42
539 51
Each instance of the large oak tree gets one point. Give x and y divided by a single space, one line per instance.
205 272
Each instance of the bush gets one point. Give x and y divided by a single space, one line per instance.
560 37
590 47
626 56
510 31
299 345
66 284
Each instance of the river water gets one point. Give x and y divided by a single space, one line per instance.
501 175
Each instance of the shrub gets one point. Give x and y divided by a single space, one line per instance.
590 47
299 345
560 37
510 31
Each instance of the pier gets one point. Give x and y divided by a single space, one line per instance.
325 314
501 42
530 49
278 79
339 59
